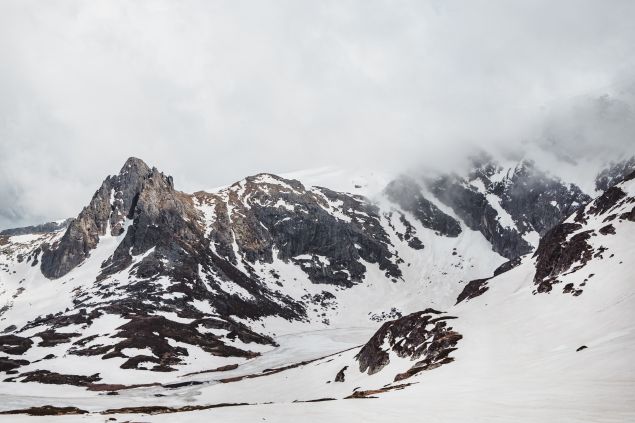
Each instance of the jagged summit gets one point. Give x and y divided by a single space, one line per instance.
134 163
113 203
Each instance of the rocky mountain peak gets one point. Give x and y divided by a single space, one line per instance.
134 165
106 214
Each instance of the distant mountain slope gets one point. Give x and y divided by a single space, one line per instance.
149 279
272 291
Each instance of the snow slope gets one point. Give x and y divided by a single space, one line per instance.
519 356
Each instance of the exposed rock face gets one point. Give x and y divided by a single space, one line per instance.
424 336
163 219
568 247
38 229
478 287
47 410
8 364
327 233
534 201
478 214
473 289
153 332
405 192
52 378
115 199
341 375
13 344
558 252
614 174
507 266
178 254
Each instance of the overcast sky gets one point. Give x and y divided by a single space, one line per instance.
211 91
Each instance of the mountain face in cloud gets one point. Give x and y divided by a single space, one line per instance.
273 290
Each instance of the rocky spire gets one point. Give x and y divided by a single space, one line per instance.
114 201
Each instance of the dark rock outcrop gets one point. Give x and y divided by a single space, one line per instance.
53 378
424 336
478 287
47 410
473 289
507 266
326 232
341 376
606 201
406 193
479 215
558 251
614 174
44 228
534 201
153 332
566 248
13 344
8 364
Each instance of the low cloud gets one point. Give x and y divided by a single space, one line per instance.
213 91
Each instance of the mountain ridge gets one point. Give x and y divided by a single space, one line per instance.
154 284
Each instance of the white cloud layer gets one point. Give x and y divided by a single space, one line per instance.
211 91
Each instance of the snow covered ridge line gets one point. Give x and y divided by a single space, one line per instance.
587 236
567 248
177 286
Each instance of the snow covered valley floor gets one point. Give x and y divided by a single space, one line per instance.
518 361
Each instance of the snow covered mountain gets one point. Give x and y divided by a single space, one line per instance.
274 291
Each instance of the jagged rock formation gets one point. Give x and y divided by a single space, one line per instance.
478 214
532 200
614 174
536 201
201 258
325 232
405 192
175 273
478 287
44 228
150 279
568 247
115 200
424 336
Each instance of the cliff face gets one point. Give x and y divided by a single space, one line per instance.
568 247
406 192
510 207
114 201
189 267
328 234
614 174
